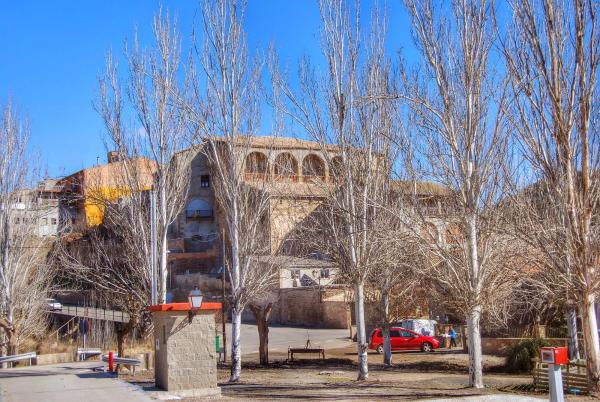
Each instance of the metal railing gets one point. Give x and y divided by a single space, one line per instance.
94 313
15 358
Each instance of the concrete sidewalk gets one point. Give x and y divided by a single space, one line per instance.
67 382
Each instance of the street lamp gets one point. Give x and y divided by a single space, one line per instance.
195 298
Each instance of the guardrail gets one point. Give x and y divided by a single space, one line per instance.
23 356
94 313
123 361
83 353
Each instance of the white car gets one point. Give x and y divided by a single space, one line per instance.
53 304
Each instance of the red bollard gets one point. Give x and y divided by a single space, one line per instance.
110 362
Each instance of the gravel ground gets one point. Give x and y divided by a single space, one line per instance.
414 376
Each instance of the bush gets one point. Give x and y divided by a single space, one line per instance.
520 355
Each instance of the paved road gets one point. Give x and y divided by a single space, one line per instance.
75 382
67 382
280 338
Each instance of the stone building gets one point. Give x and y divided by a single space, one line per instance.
84 192
40 209
296 174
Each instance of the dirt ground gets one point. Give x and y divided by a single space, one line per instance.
413 376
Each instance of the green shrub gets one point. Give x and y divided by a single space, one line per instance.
520 355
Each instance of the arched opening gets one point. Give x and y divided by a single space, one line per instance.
198 209
285 167
256 167
313 168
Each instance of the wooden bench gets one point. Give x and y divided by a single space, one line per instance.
574 376
319 351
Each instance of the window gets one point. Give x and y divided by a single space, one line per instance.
205 181
44 221
324 272
406 334
53 221
394 333
17 221
295 273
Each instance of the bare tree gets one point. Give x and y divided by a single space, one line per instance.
226 111
262 307
394 281
155 92
552 57
24 274
345 110
111 260
457 106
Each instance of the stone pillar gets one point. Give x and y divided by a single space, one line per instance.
539 331
185 352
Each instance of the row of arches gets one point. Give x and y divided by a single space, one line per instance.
286 165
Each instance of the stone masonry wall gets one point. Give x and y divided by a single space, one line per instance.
186 356
307 306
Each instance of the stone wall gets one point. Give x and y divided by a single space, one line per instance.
501 346
286 214
312 307
186 358
55 358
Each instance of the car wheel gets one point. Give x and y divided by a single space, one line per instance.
379 349
426 347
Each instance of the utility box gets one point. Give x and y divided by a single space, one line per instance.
185 354
558 356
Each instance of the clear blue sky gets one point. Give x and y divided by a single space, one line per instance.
53 52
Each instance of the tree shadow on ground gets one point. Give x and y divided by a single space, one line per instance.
362 391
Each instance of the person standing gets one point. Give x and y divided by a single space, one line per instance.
452 334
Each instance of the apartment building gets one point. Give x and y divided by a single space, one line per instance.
84 192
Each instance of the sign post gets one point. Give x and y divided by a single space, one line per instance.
84 328
555 358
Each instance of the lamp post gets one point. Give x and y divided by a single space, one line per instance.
195 298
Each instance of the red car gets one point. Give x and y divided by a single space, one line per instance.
403 339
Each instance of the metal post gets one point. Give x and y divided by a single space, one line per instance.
555 383
153 254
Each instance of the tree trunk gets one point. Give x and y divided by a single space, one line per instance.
573 342
162 258
349 320
120 342
122 332
387 345
361 338
262 317
475 358
236 347
590 338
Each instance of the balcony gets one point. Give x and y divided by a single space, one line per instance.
251 176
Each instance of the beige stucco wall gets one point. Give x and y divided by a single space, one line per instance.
186 357
287 214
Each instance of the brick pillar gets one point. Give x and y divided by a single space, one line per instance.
185 352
